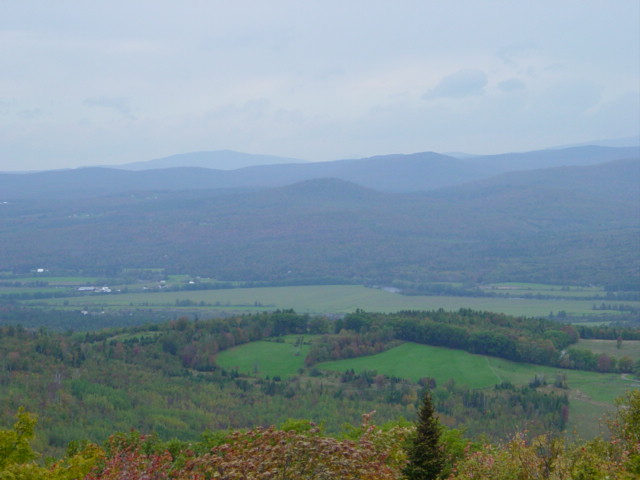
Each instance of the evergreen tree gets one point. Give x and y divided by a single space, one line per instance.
425 453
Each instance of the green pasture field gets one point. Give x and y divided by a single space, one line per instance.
328 299
628 348
414 361
267 358
591 394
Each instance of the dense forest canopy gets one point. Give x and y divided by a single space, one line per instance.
573 226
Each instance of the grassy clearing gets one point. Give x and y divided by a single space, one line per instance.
591 398
413 361
629 348
591 394
267 358
326 299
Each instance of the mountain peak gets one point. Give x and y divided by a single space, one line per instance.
216 159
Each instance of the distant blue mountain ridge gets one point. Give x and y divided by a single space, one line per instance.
417 172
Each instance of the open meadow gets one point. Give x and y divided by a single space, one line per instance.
323 299
282 358
591 394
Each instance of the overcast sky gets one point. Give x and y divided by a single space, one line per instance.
109 82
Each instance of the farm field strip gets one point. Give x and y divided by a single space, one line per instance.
327 299
522 289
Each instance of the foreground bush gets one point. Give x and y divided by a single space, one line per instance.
546 457
262 453
300 451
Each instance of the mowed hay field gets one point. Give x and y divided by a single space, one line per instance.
414 361
324 299
591 394
267 358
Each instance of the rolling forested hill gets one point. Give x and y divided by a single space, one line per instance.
564 225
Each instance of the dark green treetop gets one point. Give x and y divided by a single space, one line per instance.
425 454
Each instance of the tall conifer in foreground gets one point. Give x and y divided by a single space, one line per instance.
425 454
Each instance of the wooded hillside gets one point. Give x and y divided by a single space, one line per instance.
165 378
577 225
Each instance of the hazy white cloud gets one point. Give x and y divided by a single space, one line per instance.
511 84
465 83
119 105
517 56
106 83
30 113
577 96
